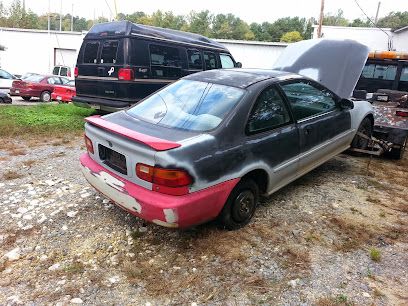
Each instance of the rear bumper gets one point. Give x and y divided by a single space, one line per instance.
99 103
162 209
24 92
61 97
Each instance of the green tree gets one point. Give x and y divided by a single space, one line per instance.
231 27
199 23
337 19
290 37
360 23
394 20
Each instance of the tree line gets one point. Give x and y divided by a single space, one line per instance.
222 26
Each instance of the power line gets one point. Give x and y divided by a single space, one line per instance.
369 19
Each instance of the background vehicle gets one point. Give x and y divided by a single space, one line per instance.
120 63
64 93
5 98
6 80
63 71
384 70
39 86
210 143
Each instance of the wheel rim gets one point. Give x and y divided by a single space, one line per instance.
244 206
46 97
362 142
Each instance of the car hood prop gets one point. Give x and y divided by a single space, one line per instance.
337 64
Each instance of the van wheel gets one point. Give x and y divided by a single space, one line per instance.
240 206
365 128
25 98
45 96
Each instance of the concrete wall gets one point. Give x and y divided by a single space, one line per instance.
374 38
38 51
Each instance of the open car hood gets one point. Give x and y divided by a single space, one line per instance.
337 64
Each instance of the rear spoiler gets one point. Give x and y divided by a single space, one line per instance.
153 142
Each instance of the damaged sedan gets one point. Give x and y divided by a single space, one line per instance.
207 146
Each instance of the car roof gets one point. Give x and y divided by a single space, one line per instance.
241 78
127 28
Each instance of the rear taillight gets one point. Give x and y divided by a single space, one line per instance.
75 72
401 113
69 73
89 145
173 178
125 74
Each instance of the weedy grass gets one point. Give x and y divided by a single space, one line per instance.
375 254
44 120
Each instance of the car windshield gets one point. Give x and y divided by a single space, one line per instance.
34 78
188 105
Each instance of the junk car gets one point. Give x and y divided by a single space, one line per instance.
208 145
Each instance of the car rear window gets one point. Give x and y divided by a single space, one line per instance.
188 105
91 52
109 51
34 78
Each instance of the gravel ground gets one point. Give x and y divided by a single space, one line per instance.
337 236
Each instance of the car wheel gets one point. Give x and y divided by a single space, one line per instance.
25 98
1 100
240 206
365 128
45 96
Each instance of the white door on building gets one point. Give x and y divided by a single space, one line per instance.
65 57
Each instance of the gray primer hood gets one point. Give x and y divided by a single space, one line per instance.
337 64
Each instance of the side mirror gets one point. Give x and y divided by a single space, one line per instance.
238 65
346 104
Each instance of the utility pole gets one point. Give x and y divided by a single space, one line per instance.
116 11
72 18
378 10
319 29
61 17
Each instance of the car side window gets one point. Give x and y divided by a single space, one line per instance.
5 75
226 61
269 112
210 60
91 52
307 99
194 59
165 62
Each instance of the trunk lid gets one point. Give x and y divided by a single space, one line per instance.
337 64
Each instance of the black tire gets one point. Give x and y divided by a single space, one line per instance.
240 206
45 96
398 153
25 98
1 100
365 128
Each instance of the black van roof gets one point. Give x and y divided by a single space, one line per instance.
127 28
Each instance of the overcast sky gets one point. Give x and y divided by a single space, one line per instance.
250 11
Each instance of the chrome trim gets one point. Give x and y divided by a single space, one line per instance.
177 42
85 77
316 116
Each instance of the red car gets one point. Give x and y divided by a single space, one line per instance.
64 93
40 86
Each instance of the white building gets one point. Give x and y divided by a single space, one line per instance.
375 38
38 51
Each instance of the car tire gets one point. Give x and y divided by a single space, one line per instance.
1 100
26 98
240 206
398 153
45 96
365 128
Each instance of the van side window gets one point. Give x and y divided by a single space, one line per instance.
226 61
165 62
55 71
109 51
210 60
91 52
194 59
